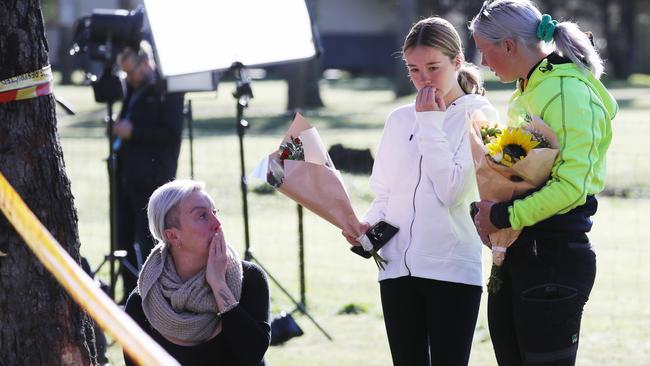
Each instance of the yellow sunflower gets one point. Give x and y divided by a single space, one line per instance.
511 146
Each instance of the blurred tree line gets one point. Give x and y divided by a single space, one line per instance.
619 26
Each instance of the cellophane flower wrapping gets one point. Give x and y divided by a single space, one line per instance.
302 170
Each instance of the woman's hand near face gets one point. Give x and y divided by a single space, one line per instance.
428 100
215 272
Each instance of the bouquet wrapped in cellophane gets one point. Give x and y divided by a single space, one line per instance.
302 170
509 161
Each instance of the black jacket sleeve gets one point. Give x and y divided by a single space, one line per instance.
246 327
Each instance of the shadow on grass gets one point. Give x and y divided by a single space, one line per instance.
497 85
362 84
93 128
277 123
631 103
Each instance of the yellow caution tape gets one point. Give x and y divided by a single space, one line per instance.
140 347
28 79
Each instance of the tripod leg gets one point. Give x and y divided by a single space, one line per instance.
138 255
125 262
298 305
100 266
304 311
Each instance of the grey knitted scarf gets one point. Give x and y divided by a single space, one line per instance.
183 310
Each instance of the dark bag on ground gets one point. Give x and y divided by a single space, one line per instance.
351 160
283 328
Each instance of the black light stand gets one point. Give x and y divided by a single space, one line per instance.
111 162
243 93
108 88
301 258
189 118
102 35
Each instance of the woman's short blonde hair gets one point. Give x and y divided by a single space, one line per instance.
162 210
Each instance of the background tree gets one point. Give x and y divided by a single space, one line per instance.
619 18
470 8
40 324
406 11
303 91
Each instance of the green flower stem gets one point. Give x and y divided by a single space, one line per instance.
379 261
495 281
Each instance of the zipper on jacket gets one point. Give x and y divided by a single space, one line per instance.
413 220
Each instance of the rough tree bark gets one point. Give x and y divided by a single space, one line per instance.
39 322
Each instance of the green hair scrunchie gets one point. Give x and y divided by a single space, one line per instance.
546 28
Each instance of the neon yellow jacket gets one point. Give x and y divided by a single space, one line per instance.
579 109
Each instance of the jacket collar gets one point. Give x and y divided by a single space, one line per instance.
544 65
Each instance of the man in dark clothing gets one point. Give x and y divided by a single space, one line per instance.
147 142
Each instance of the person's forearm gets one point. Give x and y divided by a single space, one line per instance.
579 136
224 297
448 167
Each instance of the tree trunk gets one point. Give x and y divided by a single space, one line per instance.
66 22
628 30
406 17
303 77
470 9
619 20
302 85
39 322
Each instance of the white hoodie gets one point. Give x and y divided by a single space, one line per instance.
424 181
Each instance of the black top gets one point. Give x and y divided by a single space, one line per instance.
578 220
245 335
150 157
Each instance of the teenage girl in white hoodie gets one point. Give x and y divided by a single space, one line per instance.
424 182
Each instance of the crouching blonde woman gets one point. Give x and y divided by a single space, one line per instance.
195 297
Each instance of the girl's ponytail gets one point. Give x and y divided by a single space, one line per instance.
469 78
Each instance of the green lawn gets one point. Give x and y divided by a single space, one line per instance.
616 326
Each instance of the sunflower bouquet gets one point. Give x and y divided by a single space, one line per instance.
509 161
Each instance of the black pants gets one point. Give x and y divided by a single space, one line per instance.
534 318
429 322
132 228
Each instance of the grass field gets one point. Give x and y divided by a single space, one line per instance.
616 326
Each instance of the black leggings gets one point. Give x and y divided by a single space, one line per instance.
535 317
429 322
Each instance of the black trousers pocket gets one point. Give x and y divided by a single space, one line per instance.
549 323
